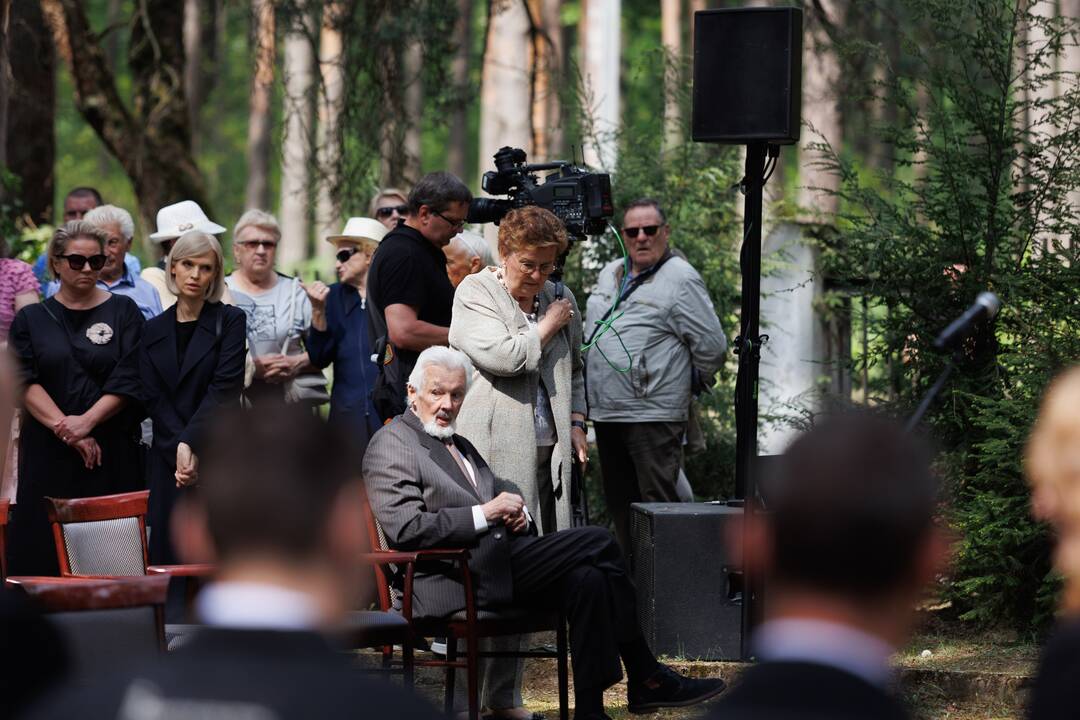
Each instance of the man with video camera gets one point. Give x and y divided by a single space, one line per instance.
639 397
410 294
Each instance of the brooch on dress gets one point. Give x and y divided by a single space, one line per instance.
99 333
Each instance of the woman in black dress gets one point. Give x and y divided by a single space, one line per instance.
78 356
191 363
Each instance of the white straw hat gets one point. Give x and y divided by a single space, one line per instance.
179 218
360 228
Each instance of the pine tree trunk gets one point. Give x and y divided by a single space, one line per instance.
257 192
299 76
821 78
193 55
601 51
545 61
414 111
456 161
331 95
504 83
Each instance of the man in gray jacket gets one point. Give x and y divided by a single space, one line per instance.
639 397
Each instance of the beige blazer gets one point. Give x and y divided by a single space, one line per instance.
497 415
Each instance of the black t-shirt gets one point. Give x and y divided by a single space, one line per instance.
184 333
408 269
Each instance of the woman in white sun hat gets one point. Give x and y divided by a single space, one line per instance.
339 332
172 222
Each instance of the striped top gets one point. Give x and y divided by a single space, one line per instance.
16 277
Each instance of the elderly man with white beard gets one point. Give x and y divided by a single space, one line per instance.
429 488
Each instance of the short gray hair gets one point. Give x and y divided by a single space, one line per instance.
260 219
105 215
476 246
190 244
442 357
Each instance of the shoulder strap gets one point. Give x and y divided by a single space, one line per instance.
629 290
293 287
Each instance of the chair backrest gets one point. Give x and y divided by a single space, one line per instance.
103 535
5 507
388 594
103 620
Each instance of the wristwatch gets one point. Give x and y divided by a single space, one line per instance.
579 424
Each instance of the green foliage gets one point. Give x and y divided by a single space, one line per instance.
977 195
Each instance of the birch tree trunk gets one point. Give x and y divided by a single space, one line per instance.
299 80
456 161
505 86
257 192
671 38
601 52
331 95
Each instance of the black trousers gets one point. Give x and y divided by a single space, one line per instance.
581 571
640 463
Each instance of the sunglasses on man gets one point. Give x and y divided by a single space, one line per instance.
78 262
649 230
252 244
385 212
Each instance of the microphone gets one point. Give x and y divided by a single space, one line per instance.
986 306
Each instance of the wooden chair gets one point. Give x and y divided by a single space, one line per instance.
102 619
5 508
105 536
470 624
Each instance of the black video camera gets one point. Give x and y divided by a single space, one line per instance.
581 199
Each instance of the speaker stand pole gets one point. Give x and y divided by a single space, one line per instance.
748 348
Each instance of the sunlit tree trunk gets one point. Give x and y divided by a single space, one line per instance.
331 57
671 38
257 192
546 72
601 53
456 161
299 80
821 79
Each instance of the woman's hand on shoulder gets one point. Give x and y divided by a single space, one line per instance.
557 315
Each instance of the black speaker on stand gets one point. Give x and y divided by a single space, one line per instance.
748 91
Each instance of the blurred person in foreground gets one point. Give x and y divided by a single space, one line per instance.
846 550
467 254
78 356
1052 464
339 332
390 206
409 293
117 277
280 515
430 488
191 364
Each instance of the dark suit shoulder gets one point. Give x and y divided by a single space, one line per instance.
810 691
1054 692
251 676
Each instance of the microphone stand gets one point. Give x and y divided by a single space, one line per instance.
933 392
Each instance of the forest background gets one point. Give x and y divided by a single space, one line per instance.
938 158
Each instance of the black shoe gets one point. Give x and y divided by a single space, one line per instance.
672 690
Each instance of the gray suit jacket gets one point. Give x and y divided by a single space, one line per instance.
422 500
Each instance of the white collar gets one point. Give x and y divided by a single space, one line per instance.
825 643
252 605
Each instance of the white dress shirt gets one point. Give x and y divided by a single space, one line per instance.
825 643
256 606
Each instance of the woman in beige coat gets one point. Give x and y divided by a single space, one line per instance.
525 412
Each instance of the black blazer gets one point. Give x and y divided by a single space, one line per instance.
181 400
241 673
805 691
1054 694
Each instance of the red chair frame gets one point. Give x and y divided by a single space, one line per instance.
5 509
472 629
74 594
